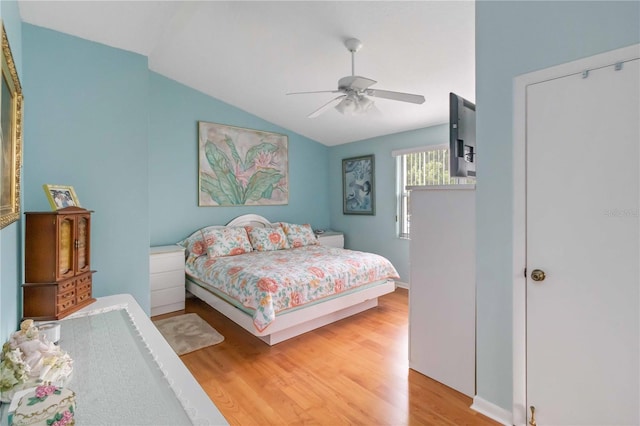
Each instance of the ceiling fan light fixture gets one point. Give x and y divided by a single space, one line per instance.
347 106
354 104
365 103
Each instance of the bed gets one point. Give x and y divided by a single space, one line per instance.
280 282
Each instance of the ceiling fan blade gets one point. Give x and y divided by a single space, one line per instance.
396 96
333 102
320 91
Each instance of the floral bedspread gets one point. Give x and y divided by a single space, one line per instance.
270 282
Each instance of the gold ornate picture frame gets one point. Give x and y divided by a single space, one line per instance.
11 133
61 196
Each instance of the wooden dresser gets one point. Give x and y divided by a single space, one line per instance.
57 263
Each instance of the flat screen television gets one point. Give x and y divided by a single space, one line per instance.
462 137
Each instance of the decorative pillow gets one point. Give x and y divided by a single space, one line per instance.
194 245
226 241
267 239
299 235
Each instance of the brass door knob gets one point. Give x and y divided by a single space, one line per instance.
537 275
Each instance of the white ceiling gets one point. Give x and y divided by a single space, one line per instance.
250 54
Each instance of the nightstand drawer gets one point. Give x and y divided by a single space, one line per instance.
167 279
162 262
169 296
159 310
332 239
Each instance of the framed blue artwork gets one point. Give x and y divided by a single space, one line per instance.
358 185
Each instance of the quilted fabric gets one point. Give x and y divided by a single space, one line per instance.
274 281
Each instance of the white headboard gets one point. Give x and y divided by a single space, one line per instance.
250 220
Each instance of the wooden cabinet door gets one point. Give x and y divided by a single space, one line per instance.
83 243
65 249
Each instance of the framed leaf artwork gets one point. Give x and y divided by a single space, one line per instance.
241 167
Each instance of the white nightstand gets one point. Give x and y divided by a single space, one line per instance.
166 270
331 239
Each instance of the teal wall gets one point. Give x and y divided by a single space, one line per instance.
513 38
378 233
126 139
86 125
173 165
10 236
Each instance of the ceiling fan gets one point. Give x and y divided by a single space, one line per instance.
355 91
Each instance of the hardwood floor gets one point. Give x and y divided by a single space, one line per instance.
354 371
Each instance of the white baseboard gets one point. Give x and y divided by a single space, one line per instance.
402 285
492 411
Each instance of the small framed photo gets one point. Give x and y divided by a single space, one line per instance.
358 186
61 196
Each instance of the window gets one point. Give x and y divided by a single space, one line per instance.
421 167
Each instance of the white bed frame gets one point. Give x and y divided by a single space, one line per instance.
300 321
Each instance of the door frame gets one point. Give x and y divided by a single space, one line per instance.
519 257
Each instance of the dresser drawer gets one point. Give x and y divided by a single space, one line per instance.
81 297
83 286
66 285
169 279
67 295
83 279
65 304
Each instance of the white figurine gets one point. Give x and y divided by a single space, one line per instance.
34 349
45 361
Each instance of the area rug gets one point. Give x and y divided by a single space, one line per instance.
187 333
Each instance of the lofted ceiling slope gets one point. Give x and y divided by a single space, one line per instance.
250 54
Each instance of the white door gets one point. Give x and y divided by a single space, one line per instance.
582 231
